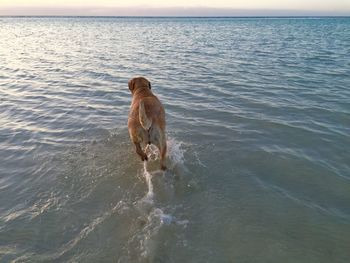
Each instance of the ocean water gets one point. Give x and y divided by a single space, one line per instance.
258 126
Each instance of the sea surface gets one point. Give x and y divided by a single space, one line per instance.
258 127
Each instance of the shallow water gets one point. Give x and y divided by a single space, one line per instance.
258 123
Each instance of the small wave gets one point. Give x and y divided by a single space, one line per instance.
85 232
302 201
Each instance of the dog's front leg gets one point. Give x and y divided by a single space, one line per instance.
140 152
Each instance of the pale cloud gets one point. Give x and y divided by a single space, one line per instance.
251 4
175 7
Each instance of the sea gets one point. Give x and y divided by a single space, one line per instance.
258 134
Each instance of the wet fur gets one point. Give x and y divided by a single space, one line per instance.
146 121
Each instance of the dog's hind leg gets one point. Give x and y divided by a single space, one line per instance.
163 155
138 136
159 140
140 152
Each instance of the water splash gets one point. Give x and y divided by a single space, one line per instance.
155 217
175 152
175 161
148 177
152 152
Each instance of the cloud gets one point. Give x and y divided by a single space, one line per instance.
169 11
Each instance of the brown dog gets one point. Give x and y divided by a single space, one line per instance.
146 121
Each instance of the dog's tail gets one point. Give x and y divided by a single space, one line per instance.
146 122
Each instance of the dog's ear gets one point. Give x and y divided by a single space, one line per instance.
149 85
131 84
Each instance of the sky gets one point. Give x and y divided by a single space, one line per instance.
175 7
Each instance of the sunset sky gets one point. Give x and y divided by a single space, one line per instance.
175 7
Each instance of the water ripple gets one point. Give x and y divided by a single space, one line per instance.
263 97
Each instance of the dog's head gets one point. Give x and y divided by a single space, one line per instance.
138 82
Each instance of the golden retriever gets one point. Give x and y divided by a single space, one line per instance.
146 121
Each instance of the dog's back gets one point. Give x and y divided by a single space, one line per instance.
151 112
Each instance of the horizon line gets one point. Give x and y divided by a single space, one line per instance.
180 16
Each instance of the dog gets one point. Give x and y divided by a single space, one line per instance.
146 122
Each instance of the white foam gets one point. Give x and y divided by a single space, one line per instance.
155 221
148 178
164 219
152 152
